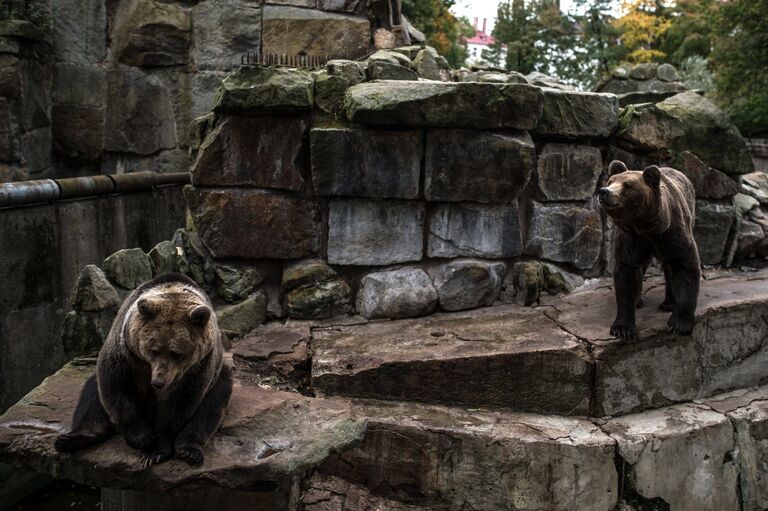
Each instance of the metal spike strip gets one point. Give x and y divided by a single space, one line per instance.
298 61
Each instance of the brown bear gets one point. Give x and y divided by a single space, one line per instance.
653 211
161 381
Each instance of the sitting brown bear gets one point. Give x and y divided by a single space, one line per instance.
161 381
654 212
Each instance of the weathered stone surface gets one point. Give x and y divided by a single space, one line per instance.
712 229
688 122
78 131
388 71
277 351
724 352
351 6
351 70
526 283
504 356
375 233
744 203
328 492
263 152
667 73
749 238
709 183
223 31
644 71
679 457
265 89
128 268
472 105
366 163
255 224
426 66
755 185
79 31
8 141
542 80
558 280
564 233
464 165
313 290
568 172
474 230
151 33
467 284
329 92
79 85
139 116
164 258
498 460
194 259
578 114
83 333
284 433
92 291
396 294
235 283
241 318
294 31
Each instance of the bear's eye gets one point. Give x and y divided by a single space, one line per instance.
154 352
176 355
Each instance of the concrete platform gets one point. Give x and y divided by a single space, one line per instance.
558 357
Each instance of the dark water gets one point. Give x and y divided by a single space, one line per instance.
61 496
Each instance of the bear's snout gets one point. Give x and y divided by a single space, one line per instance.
605 197
158 383
603 193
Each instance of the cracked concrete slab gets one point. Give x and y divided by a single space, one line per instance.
505 356
468 458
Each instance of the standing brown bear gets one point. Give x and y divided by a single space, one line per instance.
161 381
653 211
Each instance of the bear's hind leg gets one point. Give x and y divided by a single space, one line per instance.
205 421
90 423
685 286
668 305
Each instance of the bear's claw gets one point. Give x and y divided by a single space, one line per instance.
679 326
627 332
192 455
155 457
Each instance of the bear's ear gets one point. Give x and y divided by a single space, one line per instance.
148 308
652 176
200 315
616 167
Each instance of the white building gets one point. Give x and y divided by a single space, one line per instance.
482 42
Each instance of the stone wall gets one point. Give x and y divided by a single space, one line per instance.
44 248
409 196
98 86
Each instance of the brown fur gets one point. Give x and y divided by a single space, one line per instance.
654 212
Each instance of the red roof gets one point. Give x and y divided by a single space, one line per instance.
481 38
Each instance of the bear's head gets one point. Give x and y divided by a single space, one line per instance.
172 329
630 195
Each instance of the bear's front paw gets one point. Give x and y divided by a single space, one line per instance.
149 458
679 326
667 306
72 442
623 330
191 454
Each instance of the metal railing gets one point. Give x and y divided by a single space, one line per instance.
300 61
24 193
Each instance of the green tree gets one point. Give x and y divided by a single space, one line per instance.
597 48
690 30
516 28
739 59
443 31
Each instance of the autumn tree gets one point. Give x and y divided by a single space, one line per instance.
443 31
642 27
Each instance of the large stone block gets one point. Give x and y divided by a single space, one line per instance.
255 224
366 163
712 230
404 293
223 31
78 131
474 230
79 30
351 6
151 33
709 183
445 105
578 114
568 172
79 85
467 284
464 165
139 115
679 457
564 233
294 31
8 141
265 89
375 233
264 152
313 290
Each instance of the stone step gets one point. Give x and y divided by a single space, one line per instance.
707 455
556 358
268 440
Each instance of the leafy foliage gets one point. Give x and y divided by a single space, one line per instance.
443 31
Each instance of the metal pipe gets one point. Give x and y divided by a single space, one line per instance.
23 193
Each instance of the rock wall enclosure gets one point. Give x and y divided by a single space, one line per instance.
419 193
101 86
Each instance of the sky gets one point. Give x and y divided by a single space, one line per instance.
487 9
